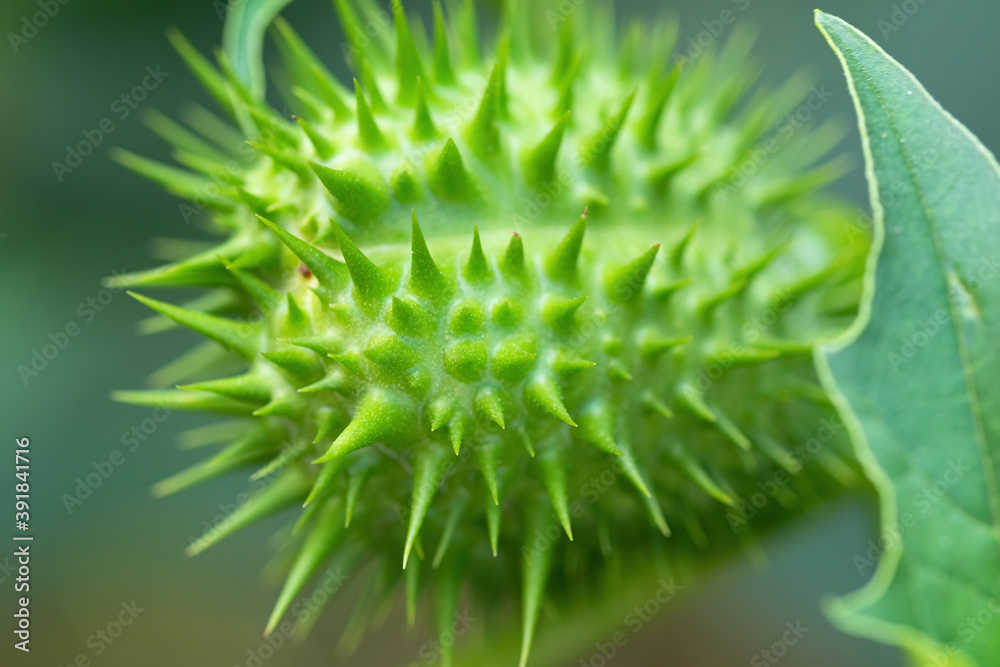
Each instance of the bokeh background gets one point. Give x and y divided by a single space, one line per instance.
58 238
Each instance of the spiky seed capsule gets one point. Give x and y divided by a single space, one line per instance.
446 368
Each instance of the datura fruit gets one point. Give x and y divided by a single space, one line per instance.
513 321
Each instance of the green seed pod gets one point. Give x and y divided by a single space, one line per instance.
539 313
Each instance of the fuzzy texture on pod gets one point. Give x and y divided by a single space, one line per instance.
506 320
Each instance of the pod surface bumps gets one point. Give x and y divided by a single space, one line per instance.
510 319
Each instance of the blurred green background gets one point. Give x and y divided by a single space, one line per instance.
58 238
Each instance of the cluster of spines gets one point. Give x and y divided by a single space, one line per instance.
295 381
384 411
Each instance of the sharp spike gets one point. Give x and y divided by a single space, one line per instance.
489 405
425 277
443 71
653 403
526 441
447 175
536 565
423 124
638 480
466 360
369 282
426 474
391 354
559 314
250 387
493 512
324 537
204 71
694 400
284 158
753 268
477 268
204 269
696 473
285 404
327 481
170 399
299 58
214 433
561 264
296 323
205 357
565 52
543 393
625 284
324 345
731 430
324 147
451 522
652 345
380 416
513 359
285 491
239 337
567 364
503 103
517 25
468 31
677 254
332 94
488 457
329 421
408 67
272 125
618 371
234 82
650 123
302 367
370 85
512 265
441 410
371 137
184 184
508 313
405 186
254 446
596 153
597 429
748 356
330 273
661 177
457 427
408 318
354 32
708 305
565 102
266 297
482 133
360 194
180 137
412 593
466 317
337 381
540 162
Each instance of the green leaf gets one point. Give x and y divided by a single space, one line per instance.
916 376
243 39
